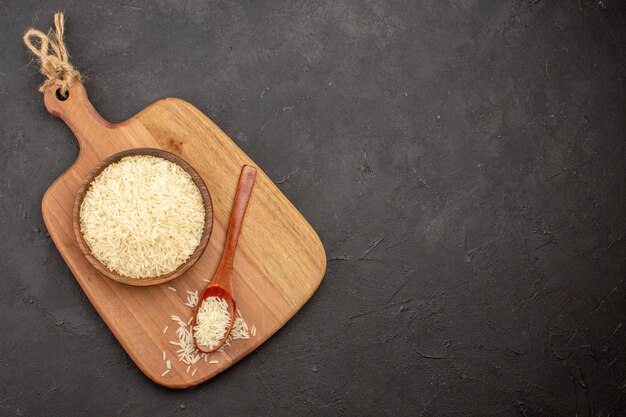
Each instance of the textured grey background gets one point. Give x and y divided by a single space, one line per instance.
463 162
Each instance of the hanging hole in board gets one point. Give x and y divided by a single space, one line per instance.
62 97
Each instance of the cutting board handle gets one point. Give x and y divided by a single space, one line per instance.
77 112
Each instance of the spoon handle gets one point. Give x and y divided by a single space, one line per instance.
240 204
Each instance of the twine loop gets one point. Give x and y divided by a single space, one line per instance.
53 56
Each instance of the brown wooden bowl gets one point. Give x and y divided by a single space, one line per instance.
206 233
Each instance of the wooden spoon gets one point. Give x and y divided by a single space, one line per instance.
221 284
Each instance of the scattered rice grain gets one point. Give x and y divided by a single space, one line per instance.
189 354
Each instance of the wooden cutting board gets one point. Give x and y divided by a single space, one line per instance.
280 260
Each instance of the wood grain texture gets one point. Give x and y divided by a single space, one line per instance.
206 231
280 260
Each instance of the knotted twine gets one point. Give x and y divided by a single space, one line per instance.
53 56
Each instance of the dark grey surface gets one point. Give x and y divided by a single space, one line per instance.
462 161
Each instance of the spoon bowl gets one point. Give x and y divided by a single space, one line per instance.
221 284
219 292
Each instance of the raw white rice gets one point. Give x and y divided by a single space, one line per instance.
212 322
192 299
188 353
142 216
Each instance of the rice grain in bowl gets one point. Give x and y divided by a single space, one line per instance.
143 216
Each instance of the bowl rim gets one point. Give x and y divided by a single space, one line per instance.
206 232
